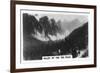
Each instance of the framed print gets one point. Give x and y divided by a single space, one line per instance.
51 36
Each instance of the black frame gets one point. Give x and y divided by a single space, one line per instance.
13 35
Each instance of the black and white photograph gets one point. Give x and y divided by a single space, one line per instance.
54 36
50 36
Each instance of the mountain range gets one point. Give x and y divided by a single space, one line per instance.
72 44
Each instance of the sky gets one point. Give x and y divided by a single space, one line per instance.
63 17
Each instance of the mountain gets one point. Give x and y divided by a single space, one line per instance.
78 39
34 49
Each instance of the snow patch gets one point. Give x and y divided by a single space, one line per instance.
42 37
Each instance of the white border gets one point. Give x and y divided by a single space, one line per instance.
52 63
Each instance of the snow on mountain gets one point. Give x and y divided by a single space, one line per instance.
42 37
